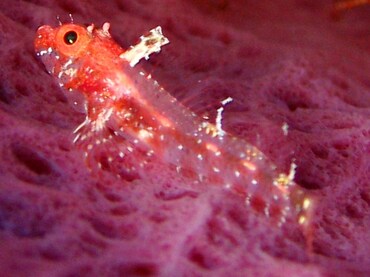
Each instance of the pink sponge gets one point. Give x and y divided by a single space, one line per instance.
301 88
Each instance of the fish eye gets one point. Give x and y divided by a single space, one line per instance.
70 37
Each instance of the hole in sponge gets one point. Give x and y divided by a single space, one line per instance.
138 269
111 230
32 160
202 259
5 95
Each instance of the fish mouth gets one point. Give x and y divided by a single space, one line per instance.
44 39
45 47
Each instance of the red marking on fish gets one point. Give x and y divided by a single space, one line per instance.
131 111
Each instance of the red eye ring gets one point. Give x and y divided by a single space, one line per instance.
72 39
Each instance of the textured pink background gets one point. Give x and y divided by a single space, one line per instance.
282 61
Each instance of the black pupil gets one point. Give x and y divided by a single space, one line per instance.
70 37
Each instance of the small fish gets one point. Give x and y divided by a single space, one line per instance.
343 5
134 116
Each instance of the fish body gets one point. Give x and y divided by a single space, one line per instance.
127 107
